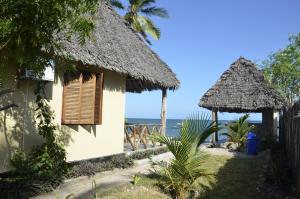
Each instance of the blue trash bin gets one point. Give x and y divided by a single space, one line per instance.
252 144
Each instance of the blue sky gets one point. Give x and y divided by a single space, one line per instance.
203 37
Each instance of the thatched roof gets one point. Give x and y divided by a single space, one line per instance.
116 47
242 88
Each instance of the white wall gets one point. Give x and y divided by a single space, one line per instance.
17 128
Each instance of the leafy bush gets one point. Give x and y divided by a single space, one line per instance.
42 164
45 165
18 188
269 142
148 153
180 174
237 131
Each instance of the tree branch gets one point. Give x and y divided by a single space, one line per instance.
7 107
5 44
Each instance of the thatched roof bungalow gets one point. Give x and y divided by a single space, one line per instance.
243 89
89 106
116 47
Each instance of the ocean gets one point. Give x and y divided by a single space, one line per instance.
173 125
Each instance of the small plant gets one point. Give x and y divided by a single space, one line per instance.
180 174
94 188
237 131
135 179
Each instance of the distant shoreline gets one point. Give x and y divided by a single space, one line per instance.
133 118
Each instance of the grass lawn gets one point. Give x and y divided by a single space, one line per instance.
232 178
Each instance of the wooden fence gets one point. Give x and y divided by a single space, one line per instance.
290 138
137 134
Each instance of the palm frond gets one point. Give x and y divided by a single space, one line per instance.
171 143
226 134
148 27
117 4
145 37
154 11
212 128
201 126
145 3
151 29
134 2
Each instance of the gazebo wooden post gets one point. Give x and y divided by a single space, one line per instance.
163 111
214 118
268 123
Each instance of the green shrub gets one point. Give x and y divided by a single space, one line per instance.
148 153
85 168
122 161
45 165
18 188
89 168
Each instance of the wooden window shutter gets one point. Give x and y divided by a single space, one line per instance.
71 103
82 99
99 98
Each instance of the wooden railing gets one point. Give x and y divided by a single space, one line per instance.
138 134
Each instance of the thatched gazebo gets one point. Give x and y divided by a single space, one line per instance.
243 89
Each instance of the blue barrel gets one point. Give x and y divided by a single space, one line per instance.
252 144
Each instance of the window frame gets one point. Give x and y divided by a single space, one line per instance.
97 78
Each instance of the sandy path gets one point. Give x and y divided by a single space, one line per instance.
82 187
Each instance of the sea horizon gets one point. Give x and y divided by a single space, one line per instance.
173 125
144 118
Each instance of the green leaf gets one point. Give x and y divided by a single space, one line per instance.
117 4
154 11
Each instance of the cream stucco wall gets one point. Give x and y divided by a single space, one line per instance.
17 126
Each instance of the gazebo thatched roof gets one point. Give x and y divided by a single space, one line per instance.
116 47
242 88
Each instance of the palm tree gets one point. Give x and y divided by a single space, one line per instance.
179 175
138 16
237 131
